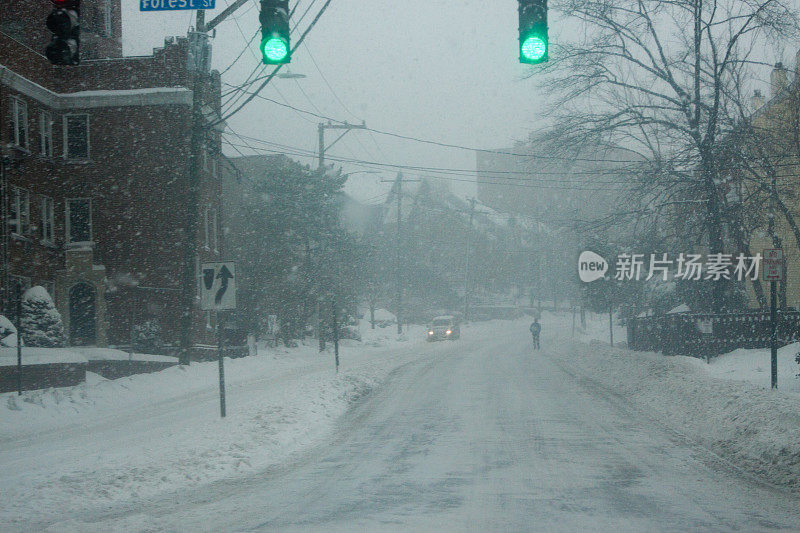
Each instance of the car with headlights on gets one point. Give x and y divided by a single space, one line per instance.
444 328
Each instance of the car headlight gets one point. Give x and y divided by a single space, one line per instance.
449 332
430 333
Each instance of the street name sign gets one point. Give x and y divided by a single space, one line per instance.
773 264
218 286
174 5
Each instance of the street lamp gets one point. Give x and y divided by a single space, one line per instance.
360 172
289 75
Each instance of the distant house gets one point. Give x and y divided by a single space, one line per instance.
768 142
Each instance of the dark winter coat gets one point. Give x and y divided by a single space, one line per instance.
536 328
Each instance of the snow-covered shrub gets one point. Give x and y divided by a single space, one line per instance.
146 337
8 333
41 323
797 358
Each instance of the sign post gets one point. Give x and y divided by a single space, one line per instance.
19 337
218 293
335 334
773 272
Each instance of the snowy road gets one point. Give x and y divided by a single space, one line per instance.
482 436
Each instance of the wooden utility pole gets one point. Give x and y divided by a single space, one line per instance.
200 65
398 245
321 127
197 44
467 260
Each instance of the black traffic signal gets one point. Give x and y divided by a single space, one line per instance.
64 22
534 44
274 20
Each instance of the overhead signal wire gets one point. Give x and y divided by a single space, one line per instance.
438 174
489 175
278 67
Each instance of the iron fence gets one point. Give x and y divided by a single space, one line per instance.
708 335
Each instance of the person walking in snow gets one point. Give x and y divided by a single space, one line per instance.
536 329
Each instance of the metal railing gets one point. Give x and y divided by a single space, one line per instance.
708 335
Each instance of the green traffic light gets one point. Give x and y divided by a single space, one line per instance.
533 48
274 49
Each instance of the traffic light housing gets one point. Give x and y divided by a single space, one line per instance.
64 23
274 20
534 44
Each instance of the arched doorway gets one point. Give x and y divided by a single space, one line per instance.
82 324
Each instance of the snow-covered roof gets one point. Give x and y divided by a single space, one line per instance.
94 99
382 315
683 308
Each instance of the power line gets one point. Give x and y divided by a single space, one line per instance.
319 115
245 49
277 68
259 68
488 175
301 152
431 173
310 5
336 96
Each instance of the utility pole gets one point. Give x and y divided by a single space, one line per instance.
398 244
321 127
198 50
469 256
399 240
188 289
19 336
335 319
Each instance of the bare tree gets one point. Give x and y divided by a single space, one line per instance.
661 78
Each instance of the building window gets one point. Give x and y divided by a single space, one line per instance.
19 219
79 220
19 123
46 134
107 14
76 136
48 220
211 229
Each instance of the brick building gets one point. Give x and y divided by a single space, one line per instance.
95 174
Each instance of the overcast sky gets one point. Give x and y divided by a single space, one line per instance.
437 69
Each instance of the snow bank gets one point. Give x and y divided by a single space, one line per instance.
137 438
40 356
111 354
727 406
754 366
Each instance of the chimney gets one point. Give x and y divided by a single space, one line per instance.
778 80
757 101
